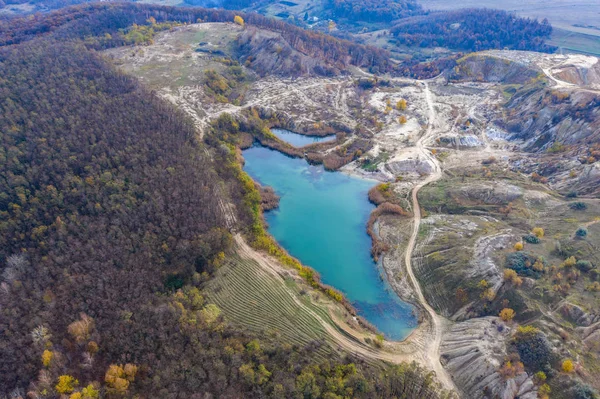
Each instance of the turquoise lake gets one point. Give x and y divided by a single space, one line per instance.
321 220
300 140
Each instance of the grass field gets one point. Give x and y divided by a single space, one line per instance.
575 41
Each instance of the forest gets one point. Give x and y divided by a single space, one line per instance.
373 10
474 30
111 222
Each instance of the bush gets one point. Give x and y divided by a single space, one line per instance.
522 263
531 239
572 194
581 232
568 366
533 348
538 232
507 314
584 265
519 246
578 206
584 391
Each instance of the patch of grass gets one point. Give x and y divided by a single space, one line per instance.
372 164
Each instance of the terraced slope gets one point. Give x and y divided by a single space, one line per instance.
264 303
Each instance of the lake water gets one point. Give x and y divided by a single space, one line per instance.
321 220
300 140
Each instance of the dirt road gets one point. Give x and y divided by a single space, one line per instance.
437 322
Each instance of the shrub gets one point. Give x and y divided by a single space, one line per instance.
578 206
568 366
569 262
531 239
584 391
519 246
533 348
511 276
544 391
581 232
538 232
488 161
572 194
539 377
523 263
584 265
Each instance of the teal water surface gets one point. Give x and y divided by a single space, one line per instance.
300 140
321 220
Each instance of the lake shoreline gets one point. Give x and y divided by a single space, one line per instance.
357 275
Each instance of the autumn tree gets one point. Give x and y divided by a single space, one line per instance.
238 20
47 357
512 277
118 377
66 384
518 246
82 328
401 105
568 366
538 232
507 314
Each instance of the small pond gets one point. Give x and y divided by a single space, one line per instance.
300 140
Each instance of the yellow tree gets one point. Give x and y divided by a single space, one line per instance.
519 246
47 357
238 20
568 366
66 384
402 120
401 105
538 232
507 314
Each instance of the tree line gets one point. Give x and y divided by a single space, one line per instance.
373 10
474 30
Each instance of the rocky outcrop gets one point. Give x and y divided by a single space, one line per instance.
397 167
487 68
472 351
590 335
577 315
488 193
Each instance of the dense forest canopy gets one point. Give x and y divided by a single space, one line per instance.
474 30
373 10
110 223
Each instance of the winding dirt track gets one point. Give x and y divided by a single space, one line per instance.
437 322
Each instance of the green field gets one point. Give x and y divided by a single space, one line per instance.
575 41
